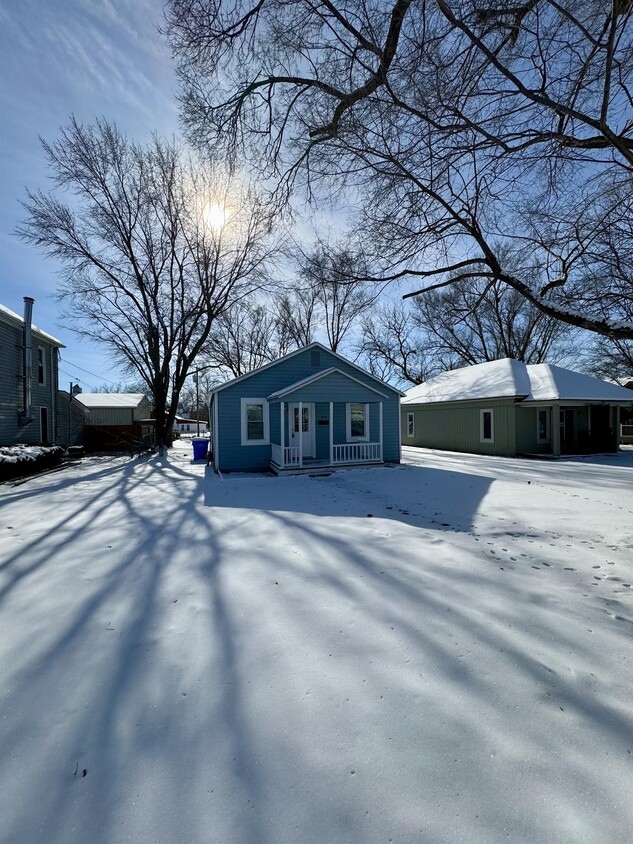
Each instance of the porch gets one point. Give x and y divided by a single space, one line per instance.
317 435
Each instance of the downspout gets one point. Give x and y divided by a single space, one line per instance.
53 357
25 417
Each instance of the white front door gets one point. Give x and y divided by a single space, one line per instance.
305 430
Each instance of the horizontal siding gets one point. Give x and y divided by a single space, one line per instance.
527 433
334 387
11 388
70 421
456 426
110 416
235 457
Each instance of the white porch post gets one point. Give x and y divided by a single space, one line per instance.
380 427
300 435
282 437
331 433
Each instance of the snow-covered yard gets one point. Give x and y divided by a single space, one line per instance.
436 652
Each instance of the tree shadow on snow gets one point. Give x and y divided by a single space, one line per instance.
257 659
417 496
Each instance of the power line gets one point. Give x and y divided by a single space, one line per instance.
87 371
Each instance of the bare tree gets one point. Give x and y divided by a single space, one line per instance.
154 248
297 317
612 359
337 276
471 133
477 321
393 348
242 339
194 396
137 386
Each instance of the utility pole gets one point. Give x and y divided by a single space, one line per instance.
196 377
197 380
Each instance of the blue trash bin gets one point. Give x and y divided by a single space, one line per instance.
200 448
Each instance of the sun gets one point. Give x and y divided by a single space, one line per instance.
214 215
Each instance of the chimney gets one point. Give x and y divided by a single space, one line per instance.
27 362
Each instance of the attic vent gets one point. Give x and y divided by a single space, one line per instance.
315 358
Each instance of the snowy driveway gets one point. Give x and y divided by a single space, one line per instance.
437 652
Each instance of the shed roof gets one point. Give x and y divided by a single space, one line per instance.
111 399
508 378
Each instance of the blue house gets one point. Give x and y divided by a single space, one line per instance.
311 408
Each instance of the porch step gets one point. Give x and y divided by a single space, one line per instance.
323 468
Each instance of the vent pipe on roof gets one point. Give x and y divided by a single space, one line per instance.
27 362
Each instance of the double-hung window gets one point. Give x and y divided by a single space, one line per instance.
41 369
410 424
486 426
357 421
255 428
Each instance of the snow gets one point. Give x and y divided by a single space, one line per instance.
110 399
435 652
25 453
19 321
508 378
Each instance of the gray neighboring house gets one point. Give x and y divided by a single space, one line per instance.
510 408
28 379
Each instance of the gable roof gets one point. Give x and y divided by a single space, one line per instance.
324 373
111 399
15 319
314 345
508 378
65 396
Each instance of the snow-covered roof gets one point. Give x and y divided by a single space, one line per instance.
508 378
110 399
16 319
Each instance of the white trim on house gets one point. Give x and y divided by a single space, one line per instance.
297 352
410 423
244 404
482 413
348 422
216 435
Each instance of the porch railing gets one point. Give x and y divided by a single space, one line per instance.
356 452
287 456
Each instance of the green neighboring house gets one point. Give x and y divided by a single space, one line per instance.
510 408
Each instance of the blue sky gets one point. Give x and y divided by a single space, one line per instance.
90 58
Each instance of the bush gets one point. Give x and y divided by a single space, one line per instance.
18 460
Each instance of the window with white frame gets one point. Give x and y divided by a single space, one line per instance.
255 425
41 370
410 424
486 426
543 425
357 421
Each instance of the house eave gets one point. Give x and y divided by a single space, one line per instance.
315 345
